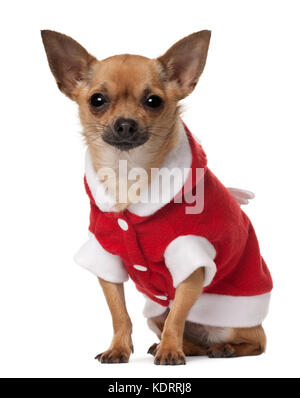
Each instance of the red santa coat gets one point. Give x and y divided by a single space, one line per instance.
161 249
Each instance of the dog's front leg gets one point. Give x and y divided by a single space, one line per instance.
121 345
169 351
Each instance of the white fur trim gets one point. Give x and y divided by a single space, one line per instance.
101 197
179 158
103 264
241 195
187 253
220 310
152 309
230 311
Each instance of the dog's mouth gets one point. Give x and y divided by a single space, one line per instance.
125 144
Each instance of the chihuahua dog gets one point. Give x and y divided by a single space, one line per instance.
206 285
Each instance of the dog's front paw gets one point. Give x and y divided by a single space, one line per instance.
114 355
166 356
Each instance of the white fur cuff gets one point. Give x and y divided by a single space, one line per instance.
187 253
103 264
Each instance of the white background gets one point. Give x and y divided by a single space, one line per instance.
245 110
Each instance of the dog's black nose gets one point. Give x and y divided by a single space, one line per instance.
125 128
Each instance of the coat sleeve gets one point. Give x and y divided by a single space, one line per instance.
186 254
93 257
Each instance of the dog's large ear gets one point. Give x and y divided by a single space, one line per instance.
185 60
69 62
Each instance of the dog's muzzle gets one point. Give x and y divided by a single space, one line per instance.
125 135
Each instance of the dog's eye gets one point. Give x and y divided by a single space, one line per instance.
153 101
97 100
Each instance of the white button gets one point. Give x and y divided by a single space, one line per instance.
122 224
140 267
161 297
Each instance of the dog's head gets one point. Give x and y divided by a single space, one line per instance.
126 101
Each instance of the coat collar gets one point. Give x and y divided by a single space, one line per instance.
180 158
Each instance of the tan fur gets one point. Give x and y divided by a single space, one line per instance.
215 342
121 345
170 349
126 79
